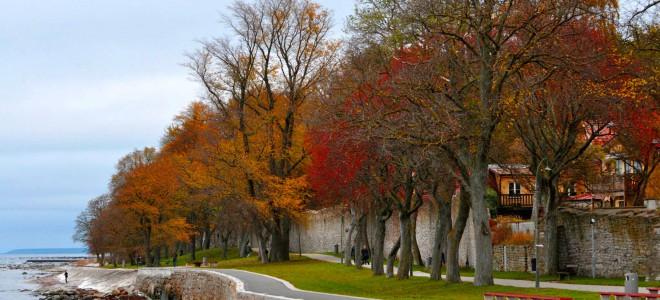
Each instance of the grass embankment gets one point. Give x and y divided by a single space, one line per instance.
546 278
315 275
213 256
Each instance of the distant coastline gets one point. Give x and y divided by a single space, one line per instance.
48 251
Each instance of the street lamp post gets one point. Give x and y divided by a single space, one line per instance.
537 201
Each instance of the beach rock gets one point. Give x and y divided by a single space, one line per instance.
85 294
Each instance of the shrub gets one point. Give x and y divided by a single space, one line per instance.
519 238
503 234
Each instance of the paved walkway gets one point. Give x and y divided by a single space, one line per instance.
265 284
508 282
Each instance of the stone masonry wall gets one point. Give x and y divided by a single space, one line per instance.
192 284
627 240
515 258
512 258
323 229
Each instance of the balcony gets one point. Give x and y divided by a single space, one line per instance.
519 200
608 185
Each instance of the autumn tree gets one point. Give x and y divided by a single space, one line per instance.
186 143
87 223
476 52
333 174
638 133
348 166
558 119
636 122
150 193
279 55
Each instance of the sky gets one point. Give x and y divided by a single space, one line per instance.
81 84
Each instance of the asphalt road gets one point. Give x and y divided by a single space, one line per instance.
272 286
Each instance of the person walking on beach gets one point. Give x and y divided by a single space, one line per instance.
66 277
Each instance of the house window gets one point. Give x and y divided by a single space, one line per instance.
570 190
620 166
628 167
514 188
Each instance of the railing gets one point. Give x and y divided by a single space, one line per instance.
612 184
520 200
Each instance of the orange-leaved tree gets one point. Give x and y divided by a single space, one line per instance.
150 193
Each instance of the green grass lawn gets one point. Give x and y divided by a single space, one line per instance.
212 255
548 278
396 261
573 280
610 281
320 276
315 275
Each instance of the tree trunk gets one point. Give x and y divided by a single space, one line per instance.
550 230
417 255
640 190
156 257
405 254
365 235
378 257
455 235
483 271
193 247
263 247
391 257
207 238
225 244
147 245
280 239
359 242
243 242
348 246
442 226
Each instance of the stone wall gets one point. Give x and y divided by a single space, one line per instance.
191 284
323 229
164 283
514 258
627 240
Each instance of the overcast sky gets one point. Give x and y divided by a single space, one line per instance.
81 84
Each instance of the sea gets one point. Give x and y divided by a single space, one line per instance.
17 277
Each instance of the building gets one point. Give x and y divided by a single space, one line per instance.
514 185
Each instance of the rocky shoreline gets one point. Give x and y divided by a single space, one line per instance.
89 294
48 278
25 277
